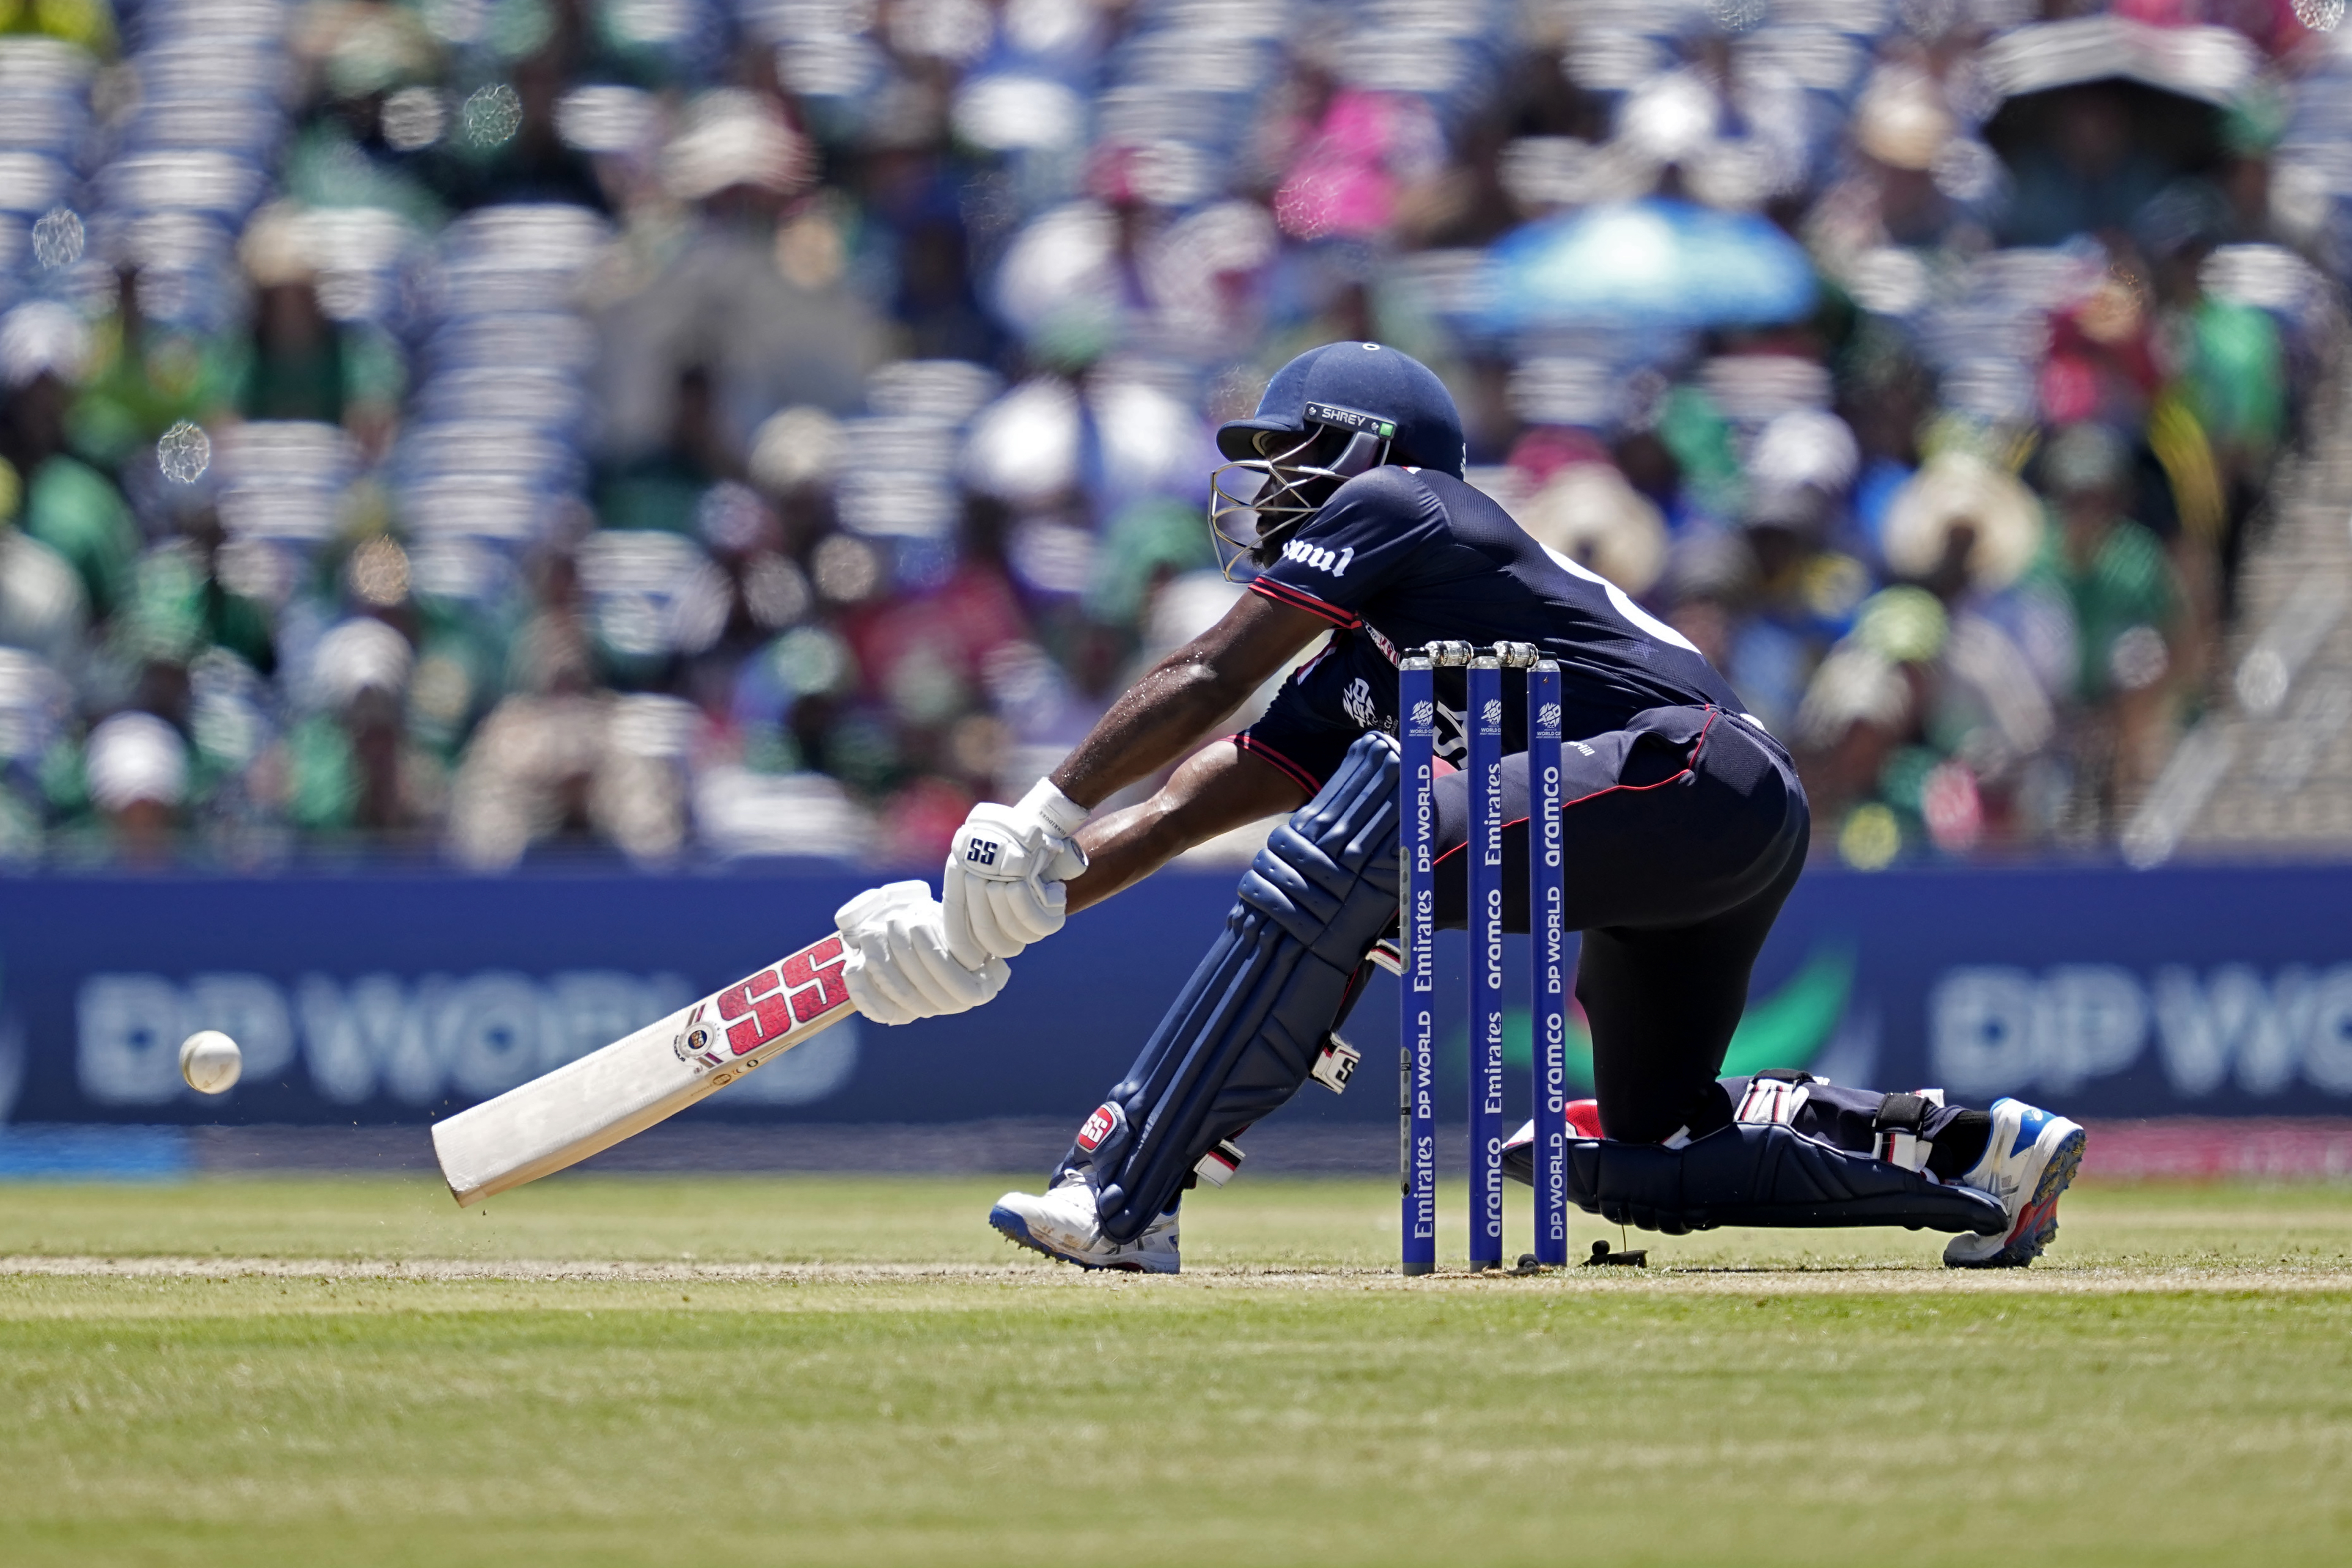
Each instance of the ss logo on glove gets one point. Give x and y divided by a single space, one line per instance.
1001 887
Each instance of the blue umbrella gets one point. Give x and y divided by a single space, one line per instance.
1658 262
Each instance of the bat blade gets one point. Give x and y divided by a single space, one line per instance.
562 1117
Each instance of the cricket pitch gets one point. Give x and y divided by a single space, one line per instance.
788 1370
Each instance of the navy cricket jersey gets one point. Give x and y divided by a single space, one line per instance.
1402 557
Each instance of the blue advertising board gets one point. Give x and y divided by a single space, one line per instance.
388 999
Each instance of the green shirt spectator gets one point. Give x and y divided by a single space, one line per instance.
2237 375
76 511
323 780
2126 583
173 611
141 382
328 167
2114 572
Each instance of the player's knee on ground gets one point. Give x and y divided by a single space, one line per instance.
1765 1176
1786 1149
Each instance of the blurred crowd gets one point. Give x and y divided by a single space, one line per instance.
702 428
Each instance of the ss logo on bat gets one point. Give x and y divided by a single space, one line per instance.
764 1008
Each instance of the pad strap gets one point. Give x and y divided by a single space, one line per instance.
1897 1130
1903 1113
1771 1100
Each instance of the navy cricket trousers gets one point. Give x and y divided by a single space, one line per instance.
1682 834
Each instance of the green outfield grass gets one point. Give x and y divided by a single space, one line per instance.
697 1370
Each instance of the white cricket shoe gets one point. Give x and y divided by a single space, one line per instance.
1066 1223
2028 1162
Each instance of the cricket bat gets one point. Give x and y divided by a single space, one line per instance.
560 1118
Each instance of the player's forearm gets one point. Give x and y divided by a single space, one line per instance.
1007 882
1124 848
1163 716
1219 788
1168 711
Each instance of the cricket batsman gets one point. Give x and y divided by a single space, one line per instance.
1684 828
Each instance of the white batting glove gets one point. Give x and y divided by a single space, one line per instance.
899 968
1003 887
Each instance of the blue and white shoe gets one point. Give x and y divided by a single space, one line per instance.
2028 1162
1066 1223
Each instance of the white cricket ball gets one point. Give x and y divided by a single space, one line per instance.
210 1061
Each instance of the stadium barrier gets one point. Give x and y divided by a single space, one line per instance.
2113 993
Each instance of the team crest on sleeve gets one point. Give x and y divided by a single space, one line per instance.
1356 701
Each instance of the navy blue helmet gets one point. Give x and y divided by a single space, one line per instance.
1332 414
1356 386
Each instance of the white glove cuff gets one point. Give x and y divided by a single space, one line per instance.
1045 803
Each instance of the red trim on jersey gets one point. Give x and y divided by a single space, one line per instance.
1698 742
1279 762
1299 599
